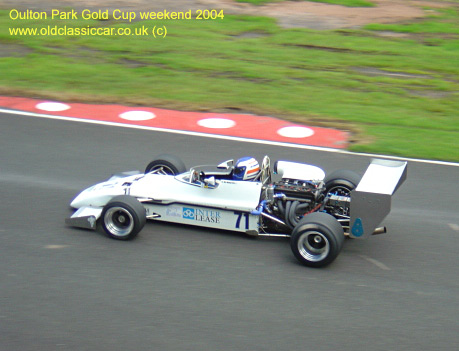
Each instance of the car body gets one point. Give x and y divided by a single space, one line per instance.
288 199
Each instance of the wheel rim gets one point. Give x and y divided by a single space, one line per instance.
313 246
340 190
165 170
118 221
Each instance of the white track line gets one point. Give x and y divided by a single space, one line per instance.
225 137
375 262
454 226
56 246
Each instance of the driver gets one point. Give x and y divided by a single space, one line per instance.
246 168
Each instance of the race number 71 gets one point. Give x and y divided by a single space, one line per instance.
239 218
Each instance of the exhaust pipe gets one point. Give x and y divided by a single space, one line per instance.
380 230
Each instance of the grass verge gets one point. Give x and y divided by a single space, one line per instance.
394 87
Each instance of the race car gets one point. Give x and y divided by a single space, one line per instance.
286 199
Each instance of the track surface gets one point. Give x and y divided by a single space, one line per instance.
185 288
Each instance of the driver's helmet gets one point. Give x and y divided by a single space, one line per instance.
246 168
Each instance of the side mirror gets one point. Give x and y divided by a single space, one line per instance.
226 164
210 181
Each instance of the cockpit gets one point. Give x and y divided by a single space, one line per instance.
245 169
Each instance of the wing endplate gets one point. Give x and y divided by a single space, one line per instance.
371 200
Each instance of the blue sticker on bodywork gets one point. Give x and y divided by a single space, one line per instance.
188 213
357 228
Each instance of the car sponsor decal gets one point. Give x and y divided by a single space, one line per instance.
357 228
201 215
173 212
195 214
188 213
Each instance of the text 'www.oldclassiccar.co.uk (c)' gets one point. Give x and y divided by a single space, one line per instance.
68 28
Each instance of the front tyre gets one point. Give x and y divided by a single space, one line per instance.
317 239
123 217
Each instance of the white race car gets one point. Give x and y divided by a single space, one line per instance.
289 199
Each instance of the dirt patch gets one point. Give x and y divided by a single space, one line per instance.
325 16
433 94
15 50
378 72
288 14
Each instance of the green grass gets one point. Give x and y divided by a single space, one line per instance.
350 3
399 95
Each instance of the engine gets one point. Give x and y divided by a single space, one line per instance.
297 189
300 191
289 200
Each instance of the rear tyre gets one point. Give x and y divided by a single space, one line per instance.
341 182
317 239
167 165
123 217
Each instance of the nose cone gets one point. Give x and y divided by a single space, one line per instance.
96 196
86 197
79 200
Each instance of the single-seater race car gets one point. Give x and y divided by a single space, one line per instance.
286 199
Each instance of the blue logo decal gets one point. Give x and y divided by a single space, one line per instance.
188 213
357 228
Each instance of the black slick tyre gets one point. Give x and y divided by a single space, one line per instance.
341 182
317 239
166 164
123 217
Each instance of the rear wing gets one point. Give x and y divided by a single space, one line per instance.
371 200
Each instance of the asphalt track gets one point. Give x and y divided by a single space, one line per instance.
185 288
